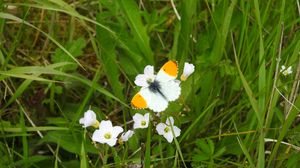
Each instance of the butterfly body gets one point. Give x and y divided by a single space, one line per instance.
154 86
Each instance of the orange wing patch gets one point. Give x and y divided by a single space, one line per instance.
138 102
171 68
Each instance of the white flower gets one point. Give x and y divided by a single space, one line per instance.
166 129
282 68
146 78
89 119
187 71
107 133
140 121
286 71
126 135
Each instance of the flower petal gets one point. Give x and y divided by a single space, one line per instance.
289 69
125 136
89 119
116 131
90 114
169 136
136 125
282 68
160 128
170 121
106 124
149 70
188 69
147 117
81 121
141 80
112 142
98 136
137 117
176 131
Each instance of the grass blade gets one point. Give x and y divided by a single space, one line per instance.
243 147
139 31
148 147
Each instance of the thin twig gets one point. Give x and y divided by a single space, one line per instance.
287 100
175 10
285 143
141 5
161 42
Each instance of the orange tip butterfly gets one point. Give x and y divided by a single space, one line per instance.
160 90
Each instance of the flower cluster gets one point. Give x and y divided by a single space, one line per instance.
286 71
106 133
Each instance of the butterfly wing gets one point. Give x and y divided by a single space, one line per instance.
158 103
166 77
139 101
170 89
148 99
168 71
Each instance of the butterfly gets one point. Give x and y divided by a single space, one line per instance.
160 90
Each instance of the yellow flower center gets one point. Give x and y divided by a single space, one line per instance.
143 123
96 124
107 135
149 80
183 77
167 129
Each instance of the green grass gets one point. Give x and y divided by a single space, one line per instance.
59 58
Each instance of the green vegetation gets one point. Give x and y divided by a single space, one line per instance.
59 58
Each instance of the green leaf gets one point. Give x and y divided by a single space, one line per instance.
148 148
211 145
219 152
204 146
83 160
200 157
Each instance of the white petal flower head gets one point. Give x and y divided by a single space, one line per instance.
143 80
187 71
286 71
165 129
89 119
140 121
125 136
282 68
107 133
